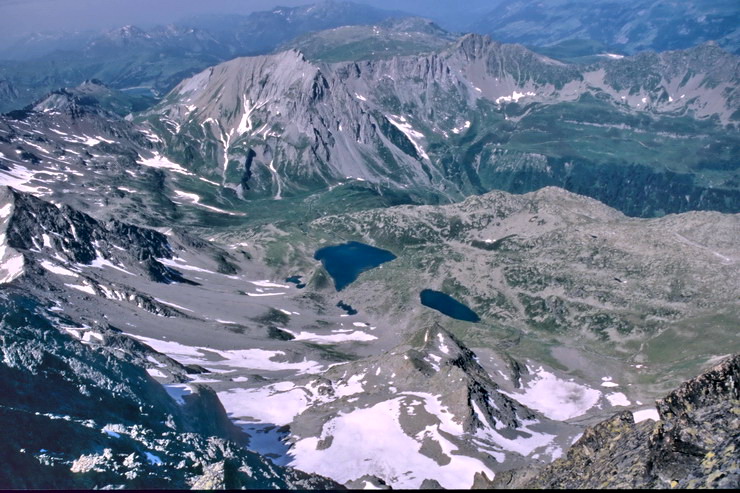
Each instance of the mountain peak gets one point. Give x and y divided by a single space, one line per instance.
128 30
415 24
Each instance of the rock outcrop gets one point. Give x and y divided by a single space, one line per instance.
694 444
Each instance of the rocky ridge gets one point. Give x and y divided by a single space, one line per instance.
153 60
693 445
91 389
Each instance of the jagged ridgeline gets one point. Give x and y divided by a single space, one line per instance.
79 409
649 135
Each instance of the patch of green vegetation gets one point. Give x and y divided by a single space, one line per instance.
375 48
601 323
483 334
594 129
321 280
546 314
537 346
494 304
526 277
695 338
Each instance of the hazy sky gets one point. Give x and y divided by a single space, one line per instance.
20 17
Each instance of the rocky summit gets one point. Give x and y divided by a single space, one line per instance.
335 246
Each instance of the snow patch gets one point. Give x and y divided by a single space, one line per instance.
168 303
386 451
19 176
607 382
556 398
177 391
56 269
195 199
515 97
267 404
267 284
442 346
465 126
414 136
179 263
159 161
108 431
154 372
335 337
100 263
645 414
618 399
153 459
255 359
84 288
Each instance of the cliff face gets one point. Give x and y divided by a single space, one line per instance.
694 445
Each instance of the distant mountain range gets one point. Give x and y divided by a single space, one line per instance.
153 61
622 26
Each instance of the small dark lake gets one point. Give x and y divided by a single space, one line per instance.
346 262
347 308
297 281
448 305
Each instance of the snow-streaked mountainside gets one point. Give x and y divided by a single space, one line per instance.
472 266
280 125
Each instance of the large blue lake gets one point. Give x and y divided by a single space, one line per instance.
346 262
448 305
